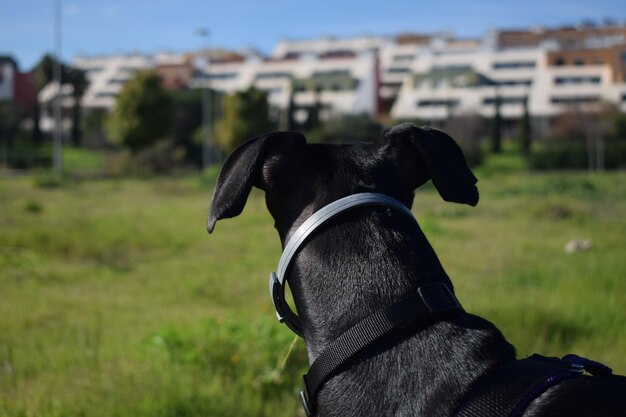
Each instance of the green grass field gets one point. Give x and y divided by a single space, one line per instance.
115 302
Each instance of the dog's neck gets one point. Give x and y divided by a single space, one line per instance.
369 259
364 260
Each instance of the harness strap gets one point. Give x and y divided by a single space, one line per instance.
509 390
430 299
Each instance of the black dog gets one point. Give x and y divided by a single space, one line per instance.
371 257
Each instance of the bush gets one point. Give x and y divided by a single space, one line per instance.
142 113
468 131
24 155
575 156
347 128
163 157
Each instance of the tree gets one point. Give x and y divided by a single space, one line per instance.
245 115
496 137
187 130
346 128
525 129
78 80
44 74
467 129
142 113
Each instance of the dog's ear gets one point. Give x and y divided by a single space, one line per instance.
440 159
250 164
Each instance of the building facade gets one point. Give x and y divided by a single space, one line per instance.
552 71
430 77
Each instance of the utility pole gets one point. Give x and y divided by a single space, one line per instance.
206 99
57 146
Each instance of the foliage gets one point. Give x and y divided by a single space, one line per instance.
93 125
187 131
496 135
187 119
554 155
346 128
22 154
525 130
578 125
617 126
142 113
44 74
161 157
245 116
9 126
468 131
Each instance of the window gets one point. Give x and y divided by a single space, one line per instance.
574 100
331 72
293 55
595 79
273 90
504 100
106 95
392 84
339 53
272 75
453 67
222 76
437 103
513 65
398 70
508 83
403 58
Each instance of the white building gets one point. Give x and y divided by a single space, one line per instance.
467 77
46 98
107 74
429 77
305 74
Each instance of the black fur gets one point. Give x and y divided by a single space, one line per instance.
369 258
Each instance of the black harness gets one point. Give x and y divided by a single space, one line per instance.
505 392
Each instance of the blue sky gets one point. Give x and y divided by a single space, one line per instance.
111 26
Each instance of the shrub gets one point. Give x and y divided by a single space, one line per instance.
575 156
163 157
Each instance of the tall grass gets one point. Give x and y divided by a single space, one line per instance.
115 302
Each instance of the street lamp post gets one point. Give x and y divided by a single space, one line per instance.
57 152
206 100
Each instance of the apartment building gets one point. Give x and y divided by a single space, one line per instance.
408 76
300 74
16 86
106 76
552 70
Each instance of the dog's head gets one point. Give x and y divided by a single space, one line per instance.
300 178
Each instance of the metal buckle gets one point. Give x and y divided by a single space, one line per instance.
304 397
438 297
